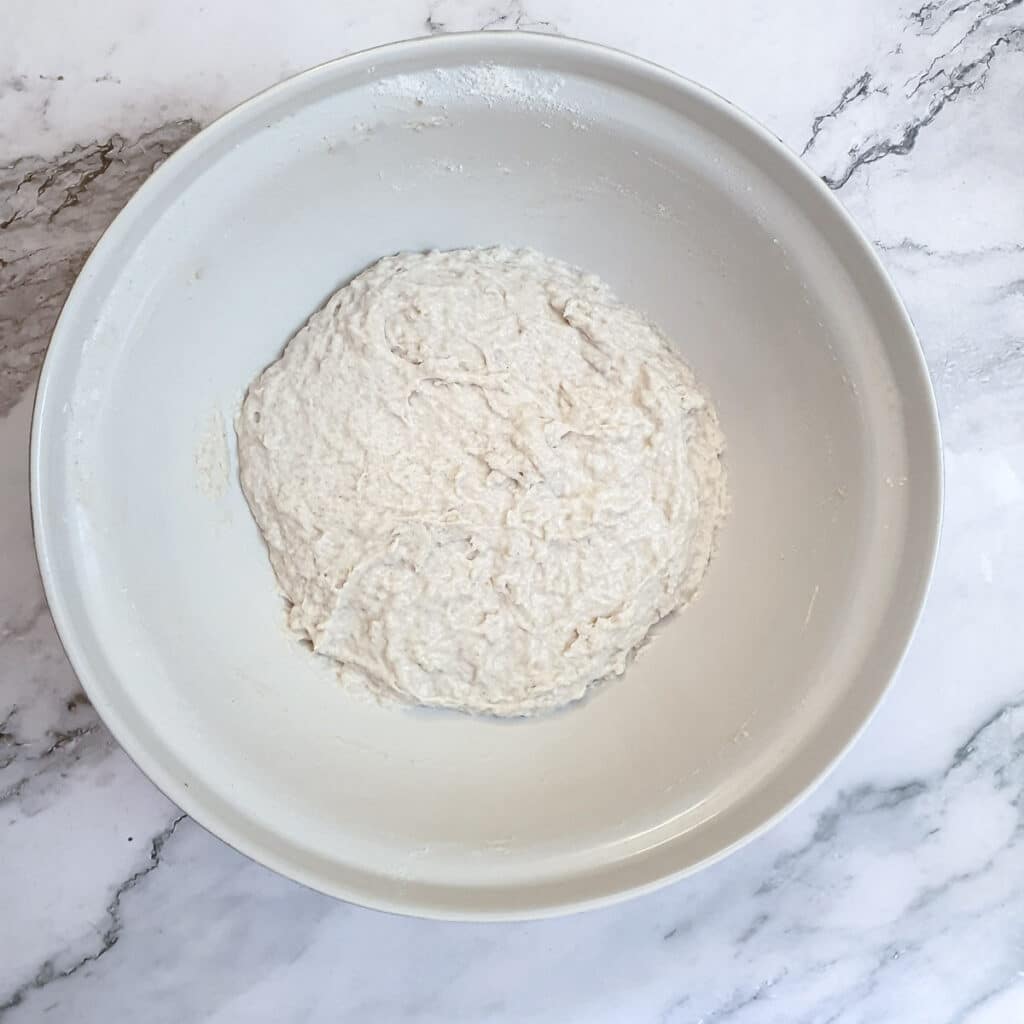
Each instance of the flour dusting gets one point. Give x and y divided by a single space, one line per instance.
211 458
532 90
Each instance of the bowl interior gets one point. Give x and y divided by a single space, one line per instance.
163 591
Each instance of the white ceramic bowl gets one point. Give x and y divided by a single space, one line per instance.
162 591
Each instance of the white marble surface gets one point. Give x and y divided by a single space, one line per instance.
895 894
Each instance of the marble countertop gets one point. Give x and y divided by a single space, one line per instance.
896 893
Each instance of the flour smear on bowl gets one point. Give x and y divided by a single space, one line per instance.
481 480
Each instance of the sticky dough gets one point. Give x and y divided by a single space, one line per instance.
481 480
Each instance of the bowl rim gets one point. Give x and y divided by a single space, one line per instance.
497 46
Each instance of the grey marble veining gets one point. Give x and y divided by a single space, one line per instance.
52 211
943 49
895 893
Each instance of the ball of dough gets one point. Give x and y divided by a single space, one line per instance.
481 479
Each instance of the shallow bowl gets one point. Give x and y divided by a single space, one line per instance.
161 588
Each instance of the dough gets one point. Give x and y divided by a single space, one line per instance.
481 480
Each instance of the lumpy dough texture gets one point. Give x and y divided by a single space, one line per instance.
481 479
